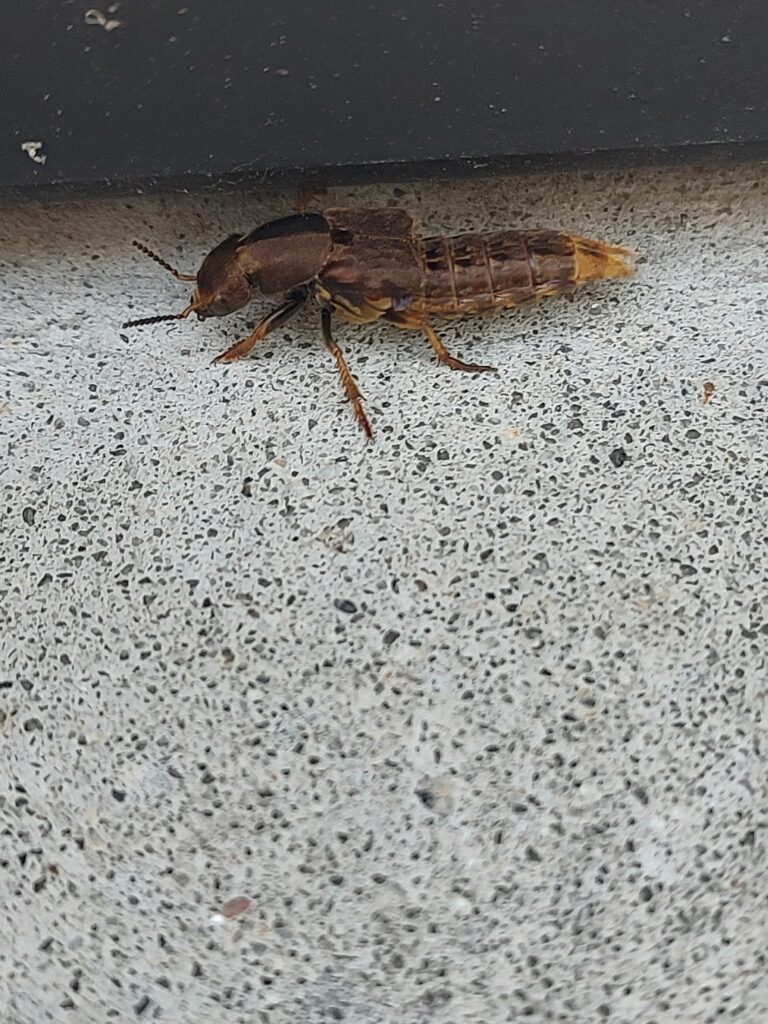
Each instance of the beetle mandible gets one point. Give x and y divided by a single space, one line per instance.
370 264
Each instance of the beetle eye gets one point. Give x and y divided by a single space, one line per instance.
218 305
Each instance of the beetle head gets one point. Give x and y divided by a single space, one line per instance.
220 286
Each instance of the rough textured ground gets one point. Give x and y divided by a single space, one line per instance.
475 717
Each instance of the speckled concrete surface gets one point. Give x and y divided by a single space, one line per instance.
474 717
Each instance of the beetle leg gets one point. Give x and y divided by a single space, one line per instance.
351 389
274 319
443 356
307 196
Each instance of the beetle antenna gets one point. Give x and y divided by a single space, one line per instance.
163 264
159 319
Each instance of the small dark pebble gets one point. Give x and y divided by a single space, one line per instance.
119 795
32 724
390 636
618 457
28 515
345 606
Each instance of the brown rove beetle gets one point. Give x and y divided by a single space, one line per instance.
368 265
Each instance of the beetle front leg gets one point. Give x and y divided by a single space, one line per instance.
274 319
351 389
444 357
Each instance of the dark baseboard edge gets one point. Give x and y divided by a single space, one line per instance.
251 177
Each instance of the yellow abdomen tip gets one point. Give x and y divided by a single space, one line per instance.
597 260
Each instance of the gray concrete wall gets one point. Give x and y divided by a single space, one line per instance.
475 717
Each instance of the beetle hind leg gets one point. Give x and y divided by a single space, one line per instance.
445 357
351 389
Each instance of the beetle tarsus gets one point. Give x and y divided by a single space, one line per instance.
445 357
457 364
240 348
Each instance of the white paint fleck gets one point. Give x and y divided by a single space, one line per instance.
95 17
34 151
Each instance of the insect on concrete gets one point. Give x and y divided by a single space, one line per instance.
368 265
